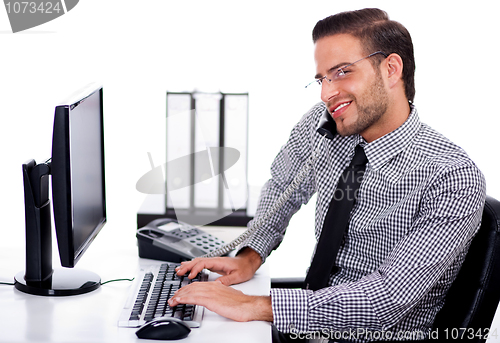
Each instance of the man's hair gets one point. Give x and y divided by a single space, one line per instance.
376 33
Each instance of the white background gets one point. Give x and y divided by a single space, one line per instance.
141 49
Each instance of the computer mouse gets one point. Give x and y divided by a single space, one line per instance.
164 328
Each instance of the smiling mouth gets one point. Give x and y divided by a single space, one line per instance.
341 106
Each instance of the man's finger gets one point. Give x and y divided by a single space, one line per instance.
195 266
226 280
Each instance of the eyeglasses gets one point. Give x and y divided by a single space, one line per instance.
339 74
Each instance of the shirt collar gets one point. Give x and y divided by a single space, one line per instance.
381 150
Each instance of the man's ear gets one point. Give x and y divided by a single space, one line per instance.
394 69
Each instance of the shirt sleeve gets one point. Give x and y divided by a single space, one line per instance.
447 220
284 169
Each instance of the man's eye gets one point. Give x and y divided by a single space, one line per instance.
341 73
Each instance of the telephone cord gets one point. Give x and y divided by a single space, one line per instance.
280 202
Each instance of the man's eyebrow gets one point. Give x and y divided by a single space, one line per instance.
334 68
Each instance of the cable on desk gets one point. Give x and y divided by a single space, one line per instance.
105 282
7 283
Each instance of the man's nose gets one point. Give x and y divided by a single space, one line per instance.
328 91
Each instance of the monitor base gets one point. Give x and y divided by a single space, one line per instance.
63 282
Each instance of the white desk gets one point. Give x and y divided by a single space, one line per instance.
93 317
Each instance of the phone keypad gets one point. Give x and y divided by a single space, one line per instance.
201 239
207 242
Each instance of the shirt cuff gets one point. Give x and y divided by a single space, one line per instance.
290 309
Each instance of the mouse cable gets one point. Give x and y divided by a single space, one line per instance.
105 282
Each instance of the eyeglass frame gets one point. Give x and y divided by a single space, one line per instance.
330 81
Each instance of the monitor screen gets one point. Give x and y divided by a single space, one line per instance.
78 183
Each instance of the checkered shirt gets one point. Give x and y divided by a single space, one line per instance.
418 208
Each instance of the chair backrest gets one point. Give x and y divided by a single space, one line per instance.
473 298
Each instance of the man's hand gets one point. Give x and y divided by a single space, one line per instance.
233 269
224 300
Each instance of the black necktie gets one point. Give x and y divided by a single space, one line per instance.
336 223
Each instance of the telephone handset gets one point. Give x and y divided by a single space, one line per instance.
327 126
170 240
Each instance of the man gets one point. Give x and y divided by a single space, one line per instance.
416 211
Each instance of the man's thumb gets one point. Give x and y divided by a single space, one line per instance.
226 280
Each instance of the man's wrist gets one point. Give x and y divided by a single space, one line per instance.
253 257
263 308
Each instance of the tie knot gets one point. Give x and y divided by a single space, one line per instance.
359 158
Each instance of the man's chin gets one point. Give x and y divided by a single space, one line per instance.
345 129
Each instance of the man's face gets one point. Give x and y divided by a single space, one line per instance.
358 100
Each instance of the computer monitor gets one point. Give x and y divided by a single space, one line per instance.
78 196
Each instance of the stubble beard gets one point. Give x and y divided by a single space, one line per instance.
369 111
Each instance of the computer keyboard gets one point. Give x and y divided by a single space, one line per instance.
150 291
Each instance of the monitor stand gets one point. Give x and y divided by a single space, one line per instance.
62 282
39 278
